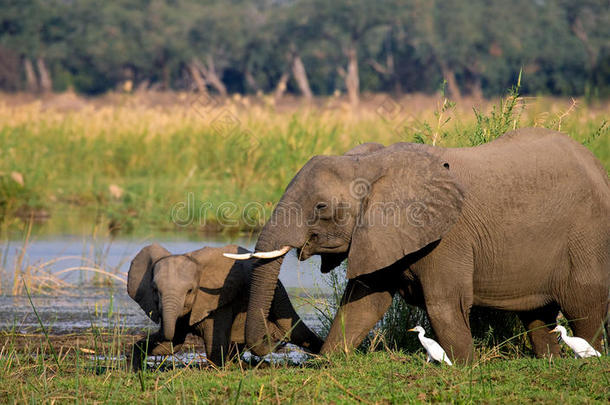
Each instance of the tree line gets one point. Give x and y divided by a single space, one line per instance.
307 47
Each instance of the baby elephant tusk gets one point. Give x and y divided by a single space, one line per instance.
259 255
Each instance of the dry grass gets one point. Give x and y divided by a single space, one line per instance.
133 158
50 277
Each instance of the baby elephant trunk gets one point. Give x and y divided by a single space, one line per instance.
171 306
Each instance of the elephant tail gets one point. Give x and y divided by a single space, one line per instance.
607 326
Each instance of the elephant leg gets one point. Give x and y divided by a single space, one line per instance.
154 345
584 300
363 304
290 325
217 336
584 295
450 320
538 324
587 319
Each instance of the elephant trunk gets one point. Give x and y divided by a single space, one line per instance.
284 229
171 306
264 278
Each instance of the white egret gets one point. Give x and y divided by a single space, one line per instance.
581 347
435 351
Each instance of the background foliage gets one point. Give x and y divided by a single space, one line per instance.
479 46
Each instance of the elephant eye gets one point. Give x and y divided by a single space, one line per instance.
321 206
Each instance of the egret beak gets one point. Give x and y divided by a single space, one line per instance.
259 255
554 330
412 330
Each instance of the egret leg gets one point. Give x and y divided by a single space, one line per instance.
428 359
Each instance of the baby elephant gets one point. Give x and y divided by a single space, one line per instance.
205 293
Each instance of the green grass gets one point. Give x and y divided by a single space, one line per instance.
131 167
377 377
42 368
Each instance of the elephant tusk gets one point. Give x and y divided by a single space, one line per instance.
259 255
244 256
273 254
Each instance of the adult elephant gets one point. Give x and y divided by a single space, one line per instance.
520 224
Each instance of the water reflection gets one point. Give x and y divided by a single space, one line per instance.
91 301
116 254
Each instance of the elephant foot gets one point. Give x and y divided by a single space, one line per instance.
146 347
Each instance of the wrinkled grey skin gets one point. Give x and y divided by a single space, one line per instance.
205 293
520 224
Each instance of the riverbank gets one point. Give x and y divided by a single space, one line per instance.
180 162
375 377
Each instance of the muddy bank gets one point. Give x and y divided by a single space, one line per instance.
105 351
92 343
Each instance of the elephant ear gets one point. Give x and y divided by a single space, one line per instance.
140 278
412 201
222 280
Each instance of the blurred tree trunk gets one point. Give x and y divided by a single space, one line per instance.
280 89
429 31
46 85
389 70
476 89
352 81
30 75
209 75
449 76
212 77
197 78
143 86
166 77
300 75
250 81
580 33
9 69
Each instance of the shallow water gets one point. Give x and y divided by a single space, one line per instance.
288 354
83 306
89 308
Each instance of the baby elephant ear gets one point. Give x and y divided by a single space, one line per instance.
413 202
140 278
222 280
